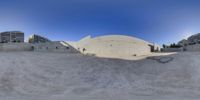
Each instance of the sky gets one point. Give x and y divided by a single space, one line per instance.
156 21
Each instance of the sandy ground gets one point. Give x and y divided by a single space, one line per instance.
61 76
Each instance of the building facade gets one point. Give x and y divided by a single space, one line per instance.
192 43
11 36
37 39
183 43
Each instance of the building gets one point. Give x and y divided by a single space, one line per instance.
11 36
114 45
183 42
192 43
194 39
45 45
37 39
155 47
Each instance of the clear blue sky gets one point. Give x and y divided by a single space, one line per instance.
159 21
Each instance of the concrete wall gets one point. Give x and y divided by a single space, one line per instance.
195 47
172 49
15 47
56 46
113 45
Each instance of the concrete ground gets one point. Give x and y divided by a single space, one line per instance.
132 57
61 76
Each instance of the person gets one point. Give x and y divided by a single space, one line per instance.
84 50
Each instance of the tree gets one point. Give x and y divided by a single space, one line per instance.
164 46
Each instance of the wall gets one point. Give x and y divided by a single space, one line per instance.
172 49
195 47
113 45
56 46
116 48
15 47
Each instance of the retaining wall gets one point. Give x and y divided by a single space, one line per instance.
172 49
16 47
195 47
56 46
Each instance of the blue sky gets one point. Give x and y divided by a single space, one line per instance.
159 21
